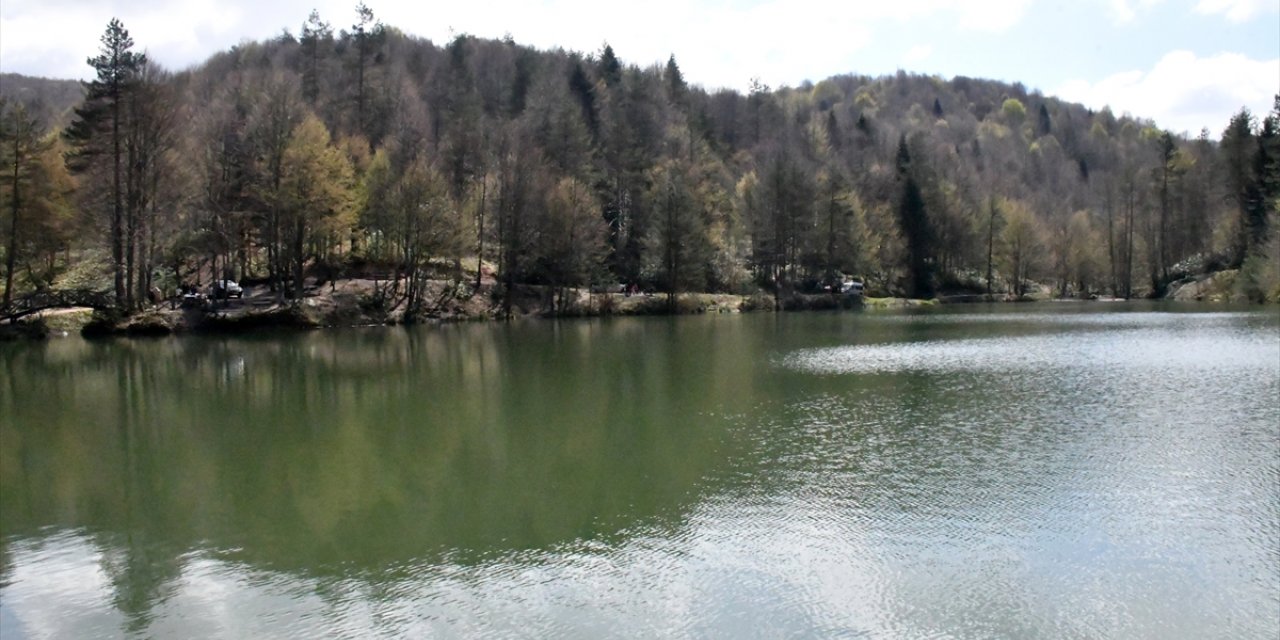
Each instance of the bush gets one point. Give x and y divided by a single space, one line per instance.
811 302
758 301
24 329
1259 279
606 305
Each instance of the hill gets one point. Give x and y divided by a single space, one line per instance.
376 152
51 100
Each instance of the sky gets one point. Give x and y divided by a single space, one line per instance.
1186 64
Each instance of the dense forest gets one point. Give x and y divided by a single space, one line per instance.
366 152
51 102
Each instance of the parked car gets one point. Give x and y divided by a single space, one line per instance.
227 289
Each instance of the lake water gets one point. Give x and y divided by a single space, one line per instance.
1041 471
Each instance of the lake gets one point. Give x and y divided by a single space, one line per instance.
1029 471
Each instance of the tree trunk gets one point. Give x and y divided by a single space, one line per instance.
1128 249
1111 242
484 184
991 242
12 253
117 210
299 231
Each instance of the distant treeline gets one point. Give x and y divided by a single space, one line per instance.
364 150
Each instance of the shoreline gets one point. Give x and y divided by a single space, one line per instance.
350 303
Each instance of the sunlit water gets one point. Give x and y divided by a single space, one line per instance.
1047 471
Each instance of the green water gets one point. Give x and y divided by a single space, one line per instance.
1009 471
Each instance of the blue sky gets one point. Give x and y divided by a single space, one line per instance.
1186 64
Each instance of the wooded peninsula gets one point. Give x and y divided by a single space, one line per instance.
533 181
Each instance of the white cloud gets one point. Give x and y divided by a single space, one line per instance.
917 54
993 16
1234 10
1124 11
55 38
1183 92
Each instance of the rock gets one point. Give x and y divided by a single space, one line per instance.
1214 287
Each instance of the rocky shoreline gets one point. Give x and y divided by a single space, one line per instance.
354 303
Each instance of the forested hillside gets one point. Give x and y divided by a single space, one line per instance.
50 101
367 151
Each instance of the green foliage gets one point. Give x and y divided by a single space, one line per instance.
572 244
35 222
825 95
112 143
316 193
677 89
1022 243
1013 110
384 152
679 241
1259 277
316 39
585 93
919 240
610 67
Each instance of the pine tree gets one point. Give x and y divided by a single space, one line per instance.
317 36
367 33
103 116
677 90
1165 175
610 67
916 228
585 93
1239 150
1266 175
834 137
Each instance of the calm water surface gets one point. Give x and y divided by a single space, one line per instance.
1033 472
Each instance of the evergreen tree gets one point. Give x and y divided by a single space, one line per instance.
368 34
99 130
915 226
863 124
834 136
316 38
610 67
571 241
1266 174
520 83
585 93
678 231
677 90
550 137
1165 175
1239 150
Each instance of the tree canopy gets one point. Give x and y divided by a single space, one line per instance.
371 151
